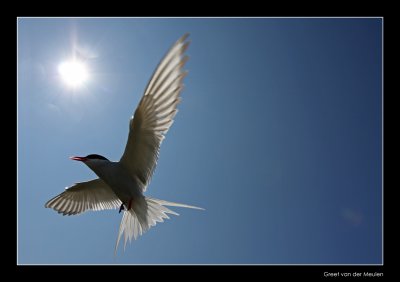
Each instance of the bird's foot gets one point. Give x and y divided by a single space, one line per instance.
121 208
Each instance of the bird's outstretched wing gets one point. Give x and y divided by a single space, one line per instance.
90 195
154 114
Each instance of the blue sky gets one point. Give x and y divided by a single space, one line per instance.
278 137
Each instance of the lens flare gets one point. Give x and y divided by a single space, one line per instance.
74 73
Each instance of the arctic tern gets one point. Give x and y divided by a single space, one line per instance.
121 184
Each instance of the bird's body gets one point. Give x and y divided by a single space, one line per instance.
116 176
121 184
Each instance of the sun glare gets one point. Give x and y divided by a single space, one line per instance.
74 73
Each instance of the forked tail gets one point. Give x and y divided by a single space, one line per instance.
136 222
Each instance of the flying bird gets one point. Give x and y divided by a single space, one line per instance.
121 184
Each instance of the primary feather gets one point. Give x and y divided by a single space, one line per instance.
155 113
90 195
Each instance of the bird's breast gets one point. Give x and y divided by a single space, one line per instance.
120 181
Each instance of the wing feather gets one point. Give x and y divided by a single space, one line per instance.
90 195
155 113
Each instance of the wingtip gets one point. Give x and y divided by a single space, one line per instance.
184 40
184 37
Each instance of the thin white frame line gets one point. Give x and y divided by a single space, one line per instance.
220 17
17 73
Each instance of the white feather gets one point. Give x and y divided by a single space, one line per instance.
154 114
90 195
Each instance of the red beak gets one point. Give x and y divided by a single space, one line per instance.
81 159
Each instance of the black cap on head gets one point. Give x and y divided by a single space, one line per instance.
96 157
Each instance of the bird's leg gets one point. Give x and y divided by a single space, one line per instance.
121 208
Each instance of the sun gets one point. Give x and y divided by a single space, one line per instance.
74 73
